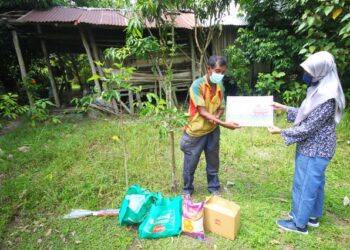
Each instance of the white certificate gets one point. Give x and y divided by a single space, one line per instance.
250 111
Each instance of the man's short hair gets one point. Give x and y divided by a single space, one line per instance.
216 60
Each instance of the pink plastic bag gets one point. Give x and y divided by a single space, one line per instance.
192 218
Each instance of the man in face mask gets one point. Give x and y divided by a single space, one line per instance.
202 133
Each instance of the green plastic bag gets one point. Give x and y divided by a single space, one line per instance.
135 206
164 219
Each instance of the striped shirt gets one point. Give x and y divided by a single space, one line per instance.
202 94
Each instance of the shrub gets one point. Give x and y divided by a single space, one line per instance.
295 94
269 84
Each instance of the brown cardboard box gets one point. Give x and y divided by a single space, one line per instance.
222 217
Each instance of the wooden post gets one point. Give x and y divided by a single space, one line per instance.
51 78
21 65
96 54
138 98
95 50
131 101
193 57
91 61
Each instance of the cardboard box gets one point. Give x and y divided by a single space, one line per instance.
222 217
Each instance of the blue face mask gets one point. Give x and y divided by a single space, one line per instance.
308 80
216 78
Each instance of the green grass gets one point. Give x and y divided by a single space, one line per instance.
76 164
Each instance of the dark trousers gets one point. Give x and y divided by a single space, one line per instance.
192 148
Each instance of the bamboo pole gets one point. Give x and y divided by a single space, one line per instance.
91 61
21 65
95 51
193 57
96 55
51 77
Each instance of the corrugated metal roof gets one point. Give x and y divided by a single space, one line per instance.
94 16
103 17
55 14
185 20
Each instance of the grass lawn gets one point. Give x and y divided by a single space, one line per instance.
76 164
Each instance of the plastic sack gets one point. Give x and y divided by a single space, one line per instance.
135 206
192 218
163 220
79 213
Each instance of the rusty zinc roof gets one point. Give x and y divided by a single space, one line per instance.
56 14
111 17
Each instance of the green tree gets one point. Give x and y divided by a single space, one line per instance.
326 24
284 33
208 14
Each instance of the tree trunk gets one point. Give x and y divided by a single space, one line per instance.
21 65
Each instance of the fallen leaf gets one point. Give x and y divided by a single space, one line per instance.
10 157
346 201
77 242
280 199
72 233
63 238
336 13
115 138
24 228
230 183
348 142
48 233
9 243
23 149
39 241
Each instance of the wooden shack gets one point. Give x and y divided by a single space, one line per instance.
91 31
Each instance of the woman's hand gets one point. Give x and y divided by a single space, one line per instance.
274 130
279 107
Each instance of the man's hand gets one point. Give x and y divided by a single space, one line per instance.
212 122
217 115
231 125
279 107
274 130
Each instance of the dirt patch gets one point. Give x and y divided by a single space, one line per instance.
288 247
337 220
136 244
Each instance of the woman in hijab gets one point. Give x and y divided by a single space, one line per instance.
314 133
